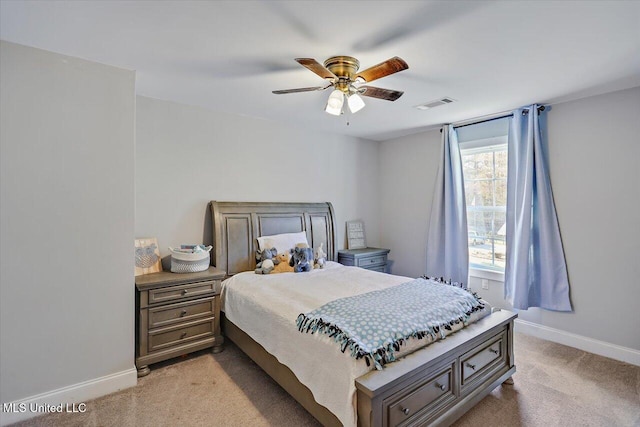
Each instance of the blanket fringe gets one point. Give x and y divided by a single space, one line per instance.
450 282
383 355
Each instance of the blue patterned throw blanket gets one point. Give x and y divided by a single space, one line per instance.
374 325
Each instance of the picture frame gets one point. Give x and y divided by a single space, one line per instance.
355 235
147 256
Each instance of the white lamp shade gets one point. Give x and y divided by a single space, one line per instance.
355 103
334 103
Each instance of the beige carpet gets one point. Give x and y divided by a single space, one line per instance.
554 386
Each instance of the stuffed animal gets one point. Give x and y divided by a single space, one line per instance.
301 259
265 260
283 265
320 258
266 267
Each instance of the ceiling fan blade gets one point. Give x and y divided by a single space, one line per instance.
376 92
383 69
317 68
301 89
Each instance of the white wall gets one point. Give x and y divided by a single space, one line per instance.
408 169
594 150
67 222
187 156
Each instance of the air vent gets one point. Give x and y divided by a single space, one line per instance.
431 104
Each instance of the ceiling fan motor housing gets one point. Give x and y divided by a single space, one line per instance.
344 67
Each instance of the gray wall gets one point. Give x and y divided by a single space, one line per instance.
594 151
408 169
187 156
67 221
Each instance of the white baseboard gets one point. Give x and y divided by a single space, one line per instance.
67 399
591 345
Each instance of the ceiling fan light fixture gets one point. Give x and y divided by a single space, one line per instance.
355 103
335 102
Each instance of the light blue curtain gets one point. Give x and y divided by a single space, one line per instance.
447 243
535 271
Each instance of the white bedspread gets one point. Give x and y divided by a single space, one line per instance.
266 307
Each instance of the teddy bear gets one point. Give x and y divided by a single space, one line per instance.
266 261
283 264
301 259
320 258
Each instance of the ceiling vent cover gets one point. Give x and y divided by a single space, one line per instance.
436 103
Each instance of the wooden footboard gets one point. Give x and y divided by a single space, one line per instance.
432 386
438 384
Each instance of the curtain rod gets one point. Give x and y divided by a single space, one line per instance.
490 118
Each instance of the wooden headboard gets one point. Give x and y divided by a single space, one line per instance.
237 225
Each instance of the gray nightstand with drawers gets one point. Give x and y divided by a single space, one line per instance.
176 314
369 258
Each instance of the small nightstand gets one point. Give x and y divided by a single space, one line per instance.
369 258
176 314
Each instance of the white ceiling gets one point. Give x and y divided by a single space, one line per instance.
229 55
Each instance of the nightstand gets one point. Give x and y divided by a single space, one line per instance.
176 314
369 258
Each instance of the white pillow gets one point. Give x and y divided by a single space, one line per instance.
282 242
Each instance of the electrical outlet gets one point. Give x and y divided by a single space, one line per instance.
485 283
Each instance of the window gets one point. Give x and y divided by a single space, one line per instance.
484 165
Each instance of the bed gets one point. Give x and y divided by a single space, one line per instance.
433 385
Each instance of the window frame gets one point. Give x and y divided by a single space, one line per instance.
479 146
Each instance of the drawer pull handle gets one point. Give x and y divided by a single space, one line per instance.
184 334
493 351
405 410
371 261
440 386
183 313
471 366
184 292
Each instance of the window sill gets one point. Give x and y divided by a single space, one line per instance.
480 273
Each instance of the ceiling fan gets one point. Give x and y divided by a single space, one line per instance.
342 74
